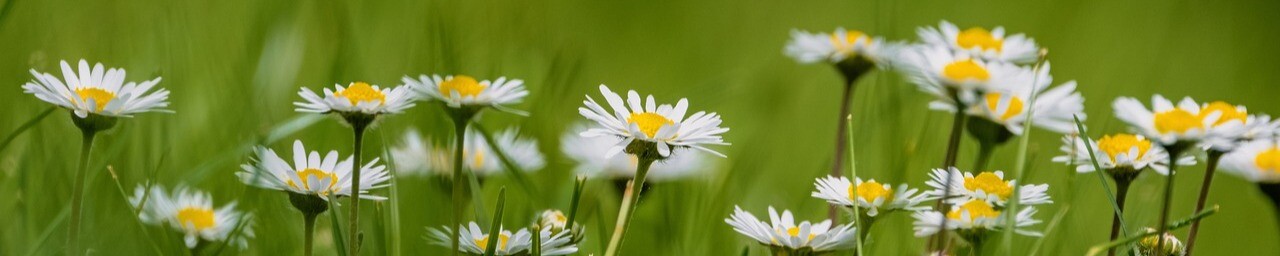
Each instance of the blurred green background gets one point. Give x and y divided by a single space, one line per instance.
235 66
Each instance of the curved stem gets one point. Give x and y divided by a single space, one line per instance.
841 125
1212 166
628 206
309 232
77 195
1174 152
460 129
353 237
1122 189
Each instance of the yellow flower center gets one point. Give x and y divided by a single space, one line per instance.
478 158
464 85
1177 121
1268 160
483 243
360 92
871 190
198 217
1118 144
976 208
305 175
966 69
851 38
100 97
1015 106
649 122
1228 111
989 183
979 37
795 232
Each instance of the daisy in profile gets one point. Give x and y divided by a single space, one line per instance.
418 156
872 197
972 219
1257 161
1235 126
985 186
1054 109
585 151
784 237
851 51
956 76
475 241
192 213
421 156
1120 155
1170 125
460 91
555 222
992 45
356 98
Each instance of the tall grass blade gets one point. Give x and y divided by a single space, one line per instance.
25 126
496 226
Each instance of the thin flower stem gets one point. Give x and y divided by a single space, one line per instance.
460 129
853 170
353 236
1102 179
842 124
308 231
77 195
1122 192
953 148
984 156
1174 152
1214 157
1168 226
628 206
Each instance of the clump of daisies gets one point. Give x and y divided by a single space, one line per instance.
784 236
192 213
978 204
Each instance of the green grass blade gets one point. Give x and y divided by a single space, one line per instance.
338 239
25 126
496 226
1095 250
513 170
1102 178
1020 165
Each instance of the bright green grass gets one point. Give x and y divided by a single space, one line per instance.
234 68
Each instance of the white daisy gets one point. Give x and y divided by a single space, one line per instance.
1118 151
191 212
663 125
986 186
357 97
872 196
554 219
990 45
1235 126
838 46
940 72
1148 246
1169 124
97 91
1054 109
457 91
782 232
585 151
312 175
1257 161
419 157
973 215
474 241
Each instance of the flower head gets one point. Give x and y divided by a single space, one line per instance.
949 75
97 91
986 186
663 125
419 156
838 46
872 196
1052 109
192 213
458 91
1235 126
474 241
312 175
1149 246
782 232
585 151
973 216
356 98
1166 123
1257 161
1123 151
991 45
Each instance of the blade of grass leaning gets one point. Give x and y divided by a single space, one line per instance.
1048 229
853 171
476 194
338 239
48 231
1102 178
394 202
515 172
145 234
25 126
1020 165
1095 250
496 226
578 184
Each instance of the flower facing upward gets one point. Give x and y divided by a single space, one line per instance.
474 241
986 186
97 91
191 212
782 232
1168 124
1257 161
585 151
991 45
973 215
312 175
948 75
357 97
664 125
872 196
458 91
838 46
419 157
1235 126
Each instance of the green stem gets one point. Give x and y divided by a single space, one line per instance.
1170 226
841 136
353 236
1174 152
460 129
853 171
77 195
953 146
984 155
308 231
1122 190
1212 166
628 206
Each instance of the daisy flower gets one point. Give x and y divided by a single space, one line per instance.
1053 109
992 45
949 75
585 151
1235 126
1118 151
458 91
1257 161
838 46
781 232
973 217
872 196
1149 246
97 90
312 175
192 213
664 125
986 186
419 157
357 97
474 241
1169 124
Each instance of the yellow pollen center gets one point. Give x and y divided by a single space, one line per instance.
966 69
1015 106
1268 160
463 85
989 183
1177 121
100 97
360 92
851 39
305 175
871 190
199 218
1118 144
980 38
649 122
483 243
478 158
1228 111
976 208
